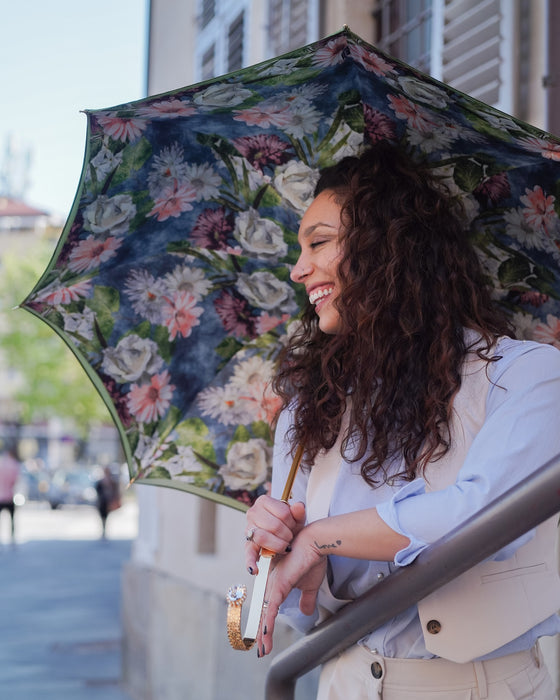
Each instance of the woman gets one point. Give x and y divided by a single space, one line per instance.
416 408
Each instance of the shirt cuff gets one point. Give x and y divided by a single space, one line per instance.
388 512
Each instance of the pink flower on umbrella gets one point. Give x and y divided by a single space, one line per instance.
266 322
264 115
548 332
262 150
235 314
65 295
92 252
122 129
539 212
534 298
331 53
494 188
545 148
148 402
370 61
173 201
180 314
212 229
167 109
416 117
378 126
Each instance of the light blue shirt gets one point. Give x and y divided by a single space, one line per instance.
521 432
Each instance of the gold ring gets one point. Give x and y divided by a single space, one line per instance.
235 598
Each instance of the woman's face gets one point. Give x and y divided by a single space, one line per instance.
317 265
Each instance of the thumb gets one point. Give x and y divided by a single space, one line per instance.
299 515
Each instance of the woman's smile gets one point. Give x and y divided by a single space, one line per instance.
317 265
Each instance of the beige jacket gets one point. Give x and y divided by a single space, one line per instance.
495 601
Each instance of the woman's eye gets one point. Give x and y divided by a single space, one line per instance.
316 244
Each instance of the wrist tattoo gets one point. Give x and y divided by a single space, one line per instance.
333 545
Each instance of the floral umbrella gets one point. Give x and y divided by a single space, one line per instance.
171 278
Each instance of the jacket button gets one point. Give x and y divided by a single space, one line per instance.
376 669
433 626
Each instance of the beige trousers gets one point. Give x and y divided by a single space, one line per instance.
360 674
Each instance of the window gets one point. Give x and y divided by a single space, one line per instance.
235 44
403 29
208 65
208 10
288 22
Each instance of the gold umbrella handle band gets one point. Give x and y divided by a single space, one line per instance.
235 598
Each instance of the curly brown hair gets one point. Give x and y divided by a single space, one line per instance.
411 284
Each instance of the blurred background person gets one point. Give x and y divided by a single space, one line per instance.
9 473
108 496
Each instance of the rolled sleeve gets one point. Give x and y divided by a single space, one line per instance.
390 512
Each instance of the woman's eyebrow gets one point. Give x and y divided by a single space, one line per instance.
310 229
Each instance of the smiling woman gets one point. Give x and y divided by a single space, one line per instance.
413 403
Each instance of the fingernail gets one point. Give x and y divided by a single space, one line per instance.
288 549
250 570
263 651
265 630
258 654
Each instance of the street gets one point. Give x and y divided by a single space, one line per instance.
60 603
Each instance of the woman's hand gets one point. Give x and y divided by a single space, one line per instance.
303 568
271 524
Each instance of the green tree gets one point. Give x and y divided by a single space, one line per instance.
52 381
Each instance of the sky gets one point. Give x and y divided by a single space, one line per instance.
58 57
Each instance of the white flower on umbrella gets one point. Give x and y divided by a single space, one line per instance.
79 323
184 461
133 359
264 290
260 237
252 378
439 138
168 168
295 181
304 119
421 91
111 215
247 466
524 325
521 229
204 179
146 294
187 279
180 314
149 449
105 162
255 178
225 405
279 67
222 95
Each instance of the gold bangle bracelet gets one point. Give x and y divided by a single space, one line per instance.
235 598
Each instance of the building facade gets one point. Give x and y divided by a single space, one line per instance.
188 550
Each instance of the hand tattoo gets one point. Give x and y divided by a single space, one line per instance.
333 545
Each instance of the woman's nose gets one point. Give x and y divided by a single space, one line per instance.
300 270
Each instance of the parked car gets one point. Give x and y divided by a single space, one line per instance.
71 488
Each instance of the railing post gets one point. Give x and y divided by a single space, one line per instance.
519 510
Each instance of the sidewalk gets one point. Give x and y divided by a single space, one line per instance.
60 605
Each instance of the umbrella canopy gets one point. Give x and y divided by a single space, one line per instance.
171 278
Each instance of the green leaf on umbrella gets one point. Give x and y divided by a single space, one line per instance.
104 303
513 270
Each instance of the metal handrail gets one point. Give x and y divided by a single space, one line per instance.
523 507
